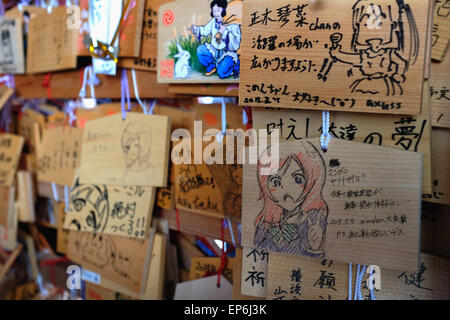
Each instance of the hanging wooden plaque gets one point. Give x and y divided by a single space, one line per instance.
199 42
354 202
130 152
351 55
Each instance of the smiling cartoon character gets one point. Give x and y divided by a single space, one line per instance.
294 215
221 54
385 43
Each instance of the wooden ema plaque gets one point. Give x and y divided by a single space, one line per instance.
123 260
199 41
350 55
117 210
355 202
303 278
131 152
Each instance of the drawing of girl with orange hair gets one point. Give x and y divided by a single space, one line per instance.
294 215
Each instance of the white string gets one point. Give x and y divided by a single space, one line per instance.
55 191
151 106
66 198
356 282
231 232
224 121
50 5
372 293
88 78
363 271
136 91
325 137
244 117
350 275
239 231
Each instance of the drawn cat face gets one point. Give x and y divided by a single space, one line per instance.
287 185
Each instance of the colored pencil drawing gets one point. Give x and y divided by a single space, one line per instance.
294 214
384 44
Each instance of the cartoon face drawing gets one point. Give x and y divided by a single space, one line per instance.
96 249
286 186
218 10
385 43
294 214
136 142
92 204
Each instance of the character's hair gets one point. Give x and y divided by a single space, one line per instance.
404 30
97 196
220 3
313 166
135 130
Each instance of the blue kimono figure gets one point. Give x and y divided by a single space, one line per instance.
221 54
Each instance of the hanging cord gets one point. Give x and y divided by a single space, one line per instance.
325 137
239 231
228 221
136 91
223 260
358 268
90 79
360 271
66 198
55 192
220 136
125 93
49 6
350 275
151 106
177 216
372 293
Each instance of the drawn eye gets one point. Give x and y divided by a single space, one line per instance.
78 204
276 182
299 179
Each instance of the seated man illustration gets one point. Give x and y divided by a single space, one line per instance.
221 54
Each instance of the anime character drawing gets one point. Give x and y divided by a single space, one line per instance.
92 205
96 249
385 44
294 214
136 141
221 54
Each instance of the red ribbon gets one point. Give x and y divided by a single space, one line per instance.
46 84
52 264
206 243
248 111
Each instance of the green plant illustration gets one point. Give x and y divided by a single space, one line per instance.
189 44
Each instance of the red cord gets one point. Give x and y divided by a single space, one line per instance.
46 84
